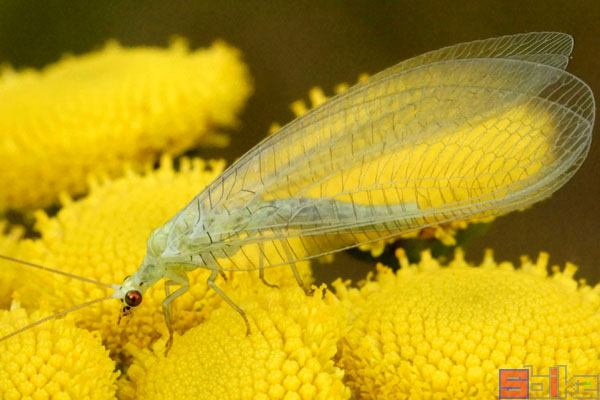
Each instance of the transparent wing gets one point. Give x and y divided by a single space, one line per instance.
550 48
450 140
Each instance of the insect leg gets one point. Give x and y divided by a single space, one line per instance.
213 286
261 269
176 279
290 257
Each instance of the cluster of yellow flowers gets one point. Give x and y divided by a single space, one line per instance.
424 330
427 331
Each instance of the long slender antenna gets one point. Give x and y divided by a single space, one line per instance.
58 314
81 278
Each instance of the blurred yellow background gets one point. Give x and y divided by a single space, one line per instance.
293 46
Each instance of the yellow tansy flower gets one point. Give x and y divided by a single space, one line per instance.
289 354
103 237
444 332
98 111
53 361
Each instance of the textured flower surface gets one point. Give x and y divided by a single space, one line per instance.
433 332
99 111
9 246
103 237
289 354
53 361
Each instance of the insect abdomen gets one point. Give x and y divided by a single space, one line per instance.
304 212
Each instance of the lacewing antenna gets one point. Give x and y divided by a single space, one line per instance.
55 271
58 314
63 312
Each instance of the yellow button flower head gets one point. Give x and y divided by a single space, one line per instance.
103 237
56 360
97 111
429 332
289 354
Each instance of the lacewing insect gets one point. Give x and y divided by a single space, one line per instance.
472 130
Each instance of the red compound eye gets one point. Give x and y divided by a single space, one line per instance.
133 298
